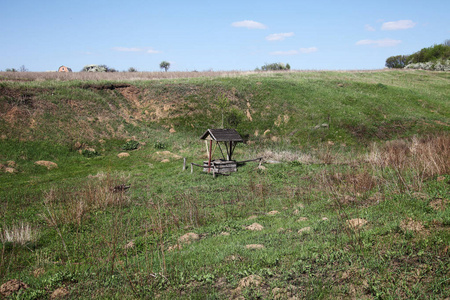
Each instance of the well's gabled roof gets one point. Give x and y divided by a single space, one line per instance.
222 135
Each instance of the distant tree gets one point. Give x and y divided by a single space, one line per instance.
275 67
11 70
93 68
23 68
397 62
446 43
131 69
288 67
164 65
98 68
108 69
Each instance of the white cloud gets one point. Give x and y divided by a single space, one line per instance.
295 52
290 52
379 43
308 50
249 24
279 36
398 25
369 28
125 49
152 51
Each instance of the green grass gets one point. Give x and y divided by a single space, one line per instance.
83 228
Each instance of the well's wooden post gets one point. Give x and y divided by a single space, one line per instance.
184 164
210 154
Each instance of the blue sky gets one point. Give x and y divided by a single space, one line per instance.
216 35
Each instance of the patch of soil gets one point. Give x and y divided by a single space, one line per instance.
38 272
106 86
273 213
255 227
356 223
252 280
48 164
439 204
159 155
254 246
304 230
12 286
59 293
410 225
188 238
131 93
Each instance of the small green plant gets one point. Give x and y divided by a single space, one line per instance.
90 153
130 145
159 145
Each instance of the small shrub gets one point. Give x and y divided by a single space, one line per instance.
397 62
90 153
275 67
159 145
131 145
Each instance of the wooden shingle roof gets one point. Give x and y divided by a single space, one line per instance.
222 135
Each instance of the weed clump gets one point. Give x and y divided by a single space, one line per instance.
18 234
130 145
90 153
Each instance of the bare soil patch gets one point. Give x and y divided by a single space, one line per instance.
48 164
255 226
12 286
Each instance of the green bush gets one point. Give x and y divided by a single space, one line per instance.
434 53
131 145
397 62
90 153
275 67
159 145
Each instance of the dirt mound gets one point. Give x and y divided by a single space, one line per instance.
12 286
59 293
252 280
255 226
273 213
304 230
188 238
48 164
410 225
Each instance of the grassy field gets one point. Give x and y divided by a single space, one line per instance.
351 202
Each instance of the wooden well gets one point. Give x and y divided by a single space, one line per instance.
221 138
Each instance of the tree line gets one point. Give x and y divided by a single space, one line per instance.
439 52
164 65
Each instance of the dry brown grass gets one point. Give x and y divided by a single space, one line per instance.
114 76
416 159
430 155
18 234
72 206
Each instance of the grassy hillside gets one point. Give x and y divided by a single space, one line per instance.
358 107
356 206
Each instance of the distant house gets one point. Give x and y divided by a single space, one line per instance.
64 69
